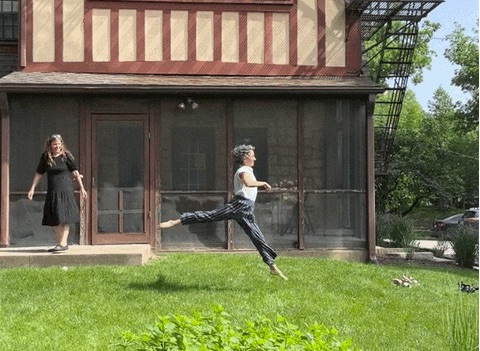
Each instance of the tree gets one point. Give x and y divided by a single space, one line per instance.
435 156
422 57
421 169
463 51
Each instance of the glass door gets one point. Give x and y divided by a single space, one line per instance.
119 177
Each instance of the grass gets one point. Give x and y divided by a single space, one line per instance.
87 308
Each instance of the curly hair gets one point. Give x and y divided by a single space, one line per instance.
48 152
240 152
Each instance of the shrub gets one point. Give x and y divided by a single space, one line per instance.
462 328
465 244
440 248
381 229
397 231
215 331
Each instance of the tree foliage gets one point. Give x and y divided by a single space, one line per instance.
463 52
422 57
435 156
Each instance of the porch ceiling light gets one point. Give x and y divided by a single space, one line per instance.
188 104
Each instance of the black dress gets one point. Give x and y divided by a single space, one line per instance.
60 205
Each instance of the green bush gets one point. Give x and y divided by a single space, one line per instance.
216 332
397 231
382 233
465 244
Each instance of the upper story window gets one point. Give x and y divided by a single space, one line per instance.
8 19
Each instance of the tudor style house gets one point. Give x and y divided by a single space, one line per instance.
151 95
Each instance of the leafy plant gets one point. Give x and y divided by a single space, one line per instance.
440 248
382 233
462 328
396 231
216 332
465 244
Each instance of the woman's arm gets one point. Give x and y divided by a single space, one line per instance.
36 180
78 177
249 181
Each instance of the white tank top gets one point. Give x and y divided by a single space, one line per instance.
239 187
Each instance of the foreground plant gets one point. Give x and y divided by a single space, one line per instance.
216 332
462 328
465 245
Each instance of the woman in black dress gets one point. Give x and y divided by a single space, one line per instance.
60 208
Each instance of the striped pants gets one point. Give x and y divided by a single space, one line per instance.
240 210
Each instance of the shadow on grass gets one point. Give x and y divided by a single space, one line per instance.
163 285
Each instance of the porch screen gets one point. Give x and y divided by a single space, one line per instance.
193 171
32 120
271 126
335 173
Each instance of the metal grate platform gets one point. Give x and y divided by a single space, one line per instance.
393 26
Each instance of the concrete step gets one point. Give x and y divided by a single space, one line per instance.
76 255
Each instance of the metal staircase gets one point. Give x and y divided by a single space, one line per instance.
393 24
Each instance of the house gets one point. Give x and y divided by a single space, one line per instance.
151 96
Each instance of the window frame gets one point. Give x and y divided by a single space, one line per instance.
11 15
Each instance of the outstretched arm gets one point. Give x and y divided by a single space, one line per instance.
78 177
249 181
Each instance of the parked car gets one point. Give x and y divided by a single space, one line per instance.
470 217
441 226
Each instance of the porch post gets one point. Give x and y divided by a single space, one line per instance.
5 170
371 240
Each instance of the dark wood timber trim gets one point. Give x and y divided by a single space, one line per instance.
83 137
58 31
156 125
199 5
370 179
5 171
268 38
140 35
300 182
86 167
230 169
321 33
151 191
22 29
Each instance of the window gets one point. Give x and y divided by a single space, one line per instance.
8 19
193 158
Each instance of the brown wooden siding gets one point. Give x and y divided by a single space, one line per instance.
112 37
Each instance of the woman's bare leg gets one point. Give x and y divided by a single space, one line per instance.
61 234
170 223
275 270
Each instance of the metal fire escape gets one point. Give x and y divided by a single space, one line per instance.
393 26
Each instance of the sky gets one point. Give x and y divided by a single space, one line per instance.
463 12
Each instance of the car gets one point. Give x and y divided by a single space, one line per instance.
470 217
442 225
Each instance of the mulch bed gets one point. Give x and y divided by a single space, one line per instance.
424 263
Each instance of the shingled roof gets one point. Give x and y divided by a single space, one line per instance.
23 82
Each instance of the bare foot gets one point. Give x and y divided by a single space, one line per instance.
169 224
276 271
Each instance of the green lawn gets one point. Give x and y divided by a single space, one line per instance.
87 308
